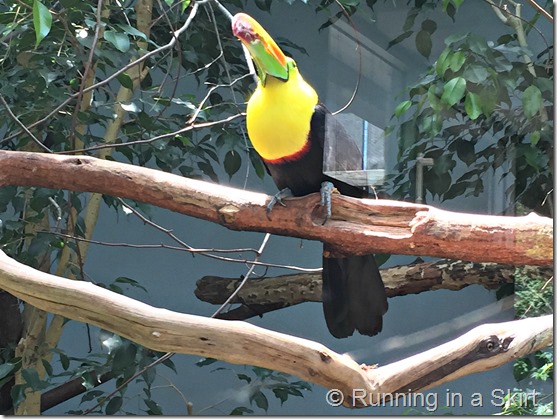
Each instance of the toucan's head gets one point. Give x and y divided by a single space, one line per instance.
268 57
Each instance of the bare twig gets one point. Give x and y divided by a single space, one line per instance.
243 282
186 248
159 137
23 127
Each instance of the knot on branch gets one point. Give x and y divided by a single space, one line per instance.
492 346
228 213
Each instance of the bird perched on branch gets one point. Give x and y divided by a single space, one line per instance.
286 125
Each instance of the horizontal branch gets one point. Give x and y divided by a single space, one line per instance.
483 348
357 226
273 293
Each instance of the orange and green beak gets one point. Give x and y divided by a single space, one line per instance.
268 57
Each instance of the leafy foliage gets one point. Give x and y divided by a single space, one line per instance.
482 107
261 381
533 297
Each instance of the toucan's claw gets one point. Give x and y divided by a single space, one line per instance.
284 193
327 189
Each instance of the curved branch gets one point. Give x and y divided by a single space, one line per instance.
482 348
357 226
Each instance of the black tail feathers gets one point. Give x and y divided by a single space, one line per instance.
354 296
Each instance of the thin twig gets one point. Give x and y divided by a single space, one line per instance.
114 75
248 273
22 125
183 248
159 137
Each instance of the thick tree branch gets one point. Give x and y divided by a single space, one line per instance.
273 293
357 226
482 348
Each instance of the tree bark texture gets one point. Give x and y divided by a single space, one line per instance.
259 296
357 226
483 348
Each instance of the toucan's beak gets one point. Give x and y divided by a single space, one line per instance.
266 54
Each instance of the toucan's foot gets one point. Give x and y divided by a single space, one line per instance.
327 189
284 193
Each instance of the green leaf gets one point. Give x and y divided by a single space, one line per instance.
456 61
423 43
465 151
429 26
281 394
240 410
399 38
130 30
119 40
257 163
433 98
114 405
488 100
64 360
402 108
475 73
453 90
125 80
47 367
169 364
443 62
232 163
185 4
544 84
410 19
124 356
5 369
535 137
472 106
42 21
32 378
90 395
17 394
244 377
451 11
260 400
205 361
154 408
131 282
531 101
522 368
89 381
456 38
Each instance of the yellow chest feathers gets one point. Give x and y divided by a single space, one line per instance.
279 115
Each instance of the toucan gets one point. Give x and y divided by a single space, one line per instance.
286 124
